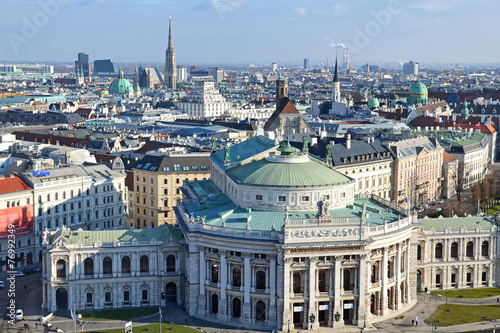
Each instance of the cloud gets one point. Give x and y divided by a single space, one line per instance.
300 11
436 6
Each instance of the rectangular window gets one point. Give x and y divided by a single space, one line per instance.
185 168
165 192
165 181
204 168
282 198
107 298
305 198
126 296
342 195
258 197
89 299
177 167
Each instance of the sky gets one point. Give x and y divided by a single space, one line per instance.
252 31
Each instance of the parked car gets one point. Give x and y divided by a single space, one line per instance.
19 314
19 274
2 285
29 271
36 268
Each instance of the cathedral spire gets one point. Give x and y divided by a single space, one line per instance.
170 39
336 76
170 63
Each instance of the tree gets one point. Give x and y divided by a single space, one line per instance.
458 180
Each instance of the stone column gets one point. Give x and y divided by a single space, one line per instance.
247 307
384 281
312 293
398 276
222 314
272 289
96 265
336 306
115 264
70 267
363 277
286 292
203 271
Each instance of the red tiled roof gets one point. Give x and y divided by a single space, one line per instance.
447 158
12 184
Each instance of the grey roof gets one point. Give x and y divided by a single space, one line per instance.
95 172
161 163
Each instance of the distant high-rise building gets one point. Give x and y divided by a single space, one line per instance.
181 73
10 68
306 63
170 64
47 69
274 67
217 73
105 66
83 63
410 68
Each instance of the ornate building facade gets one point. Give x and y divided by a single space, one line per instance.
275 239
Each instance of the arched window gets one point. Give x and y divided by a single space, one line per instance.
438 279
453 278
454 250
39 199
215 273
236 277
71 194
438 251
144 263
215 303
469 252
484 277
419 252
297 283
485 248
88 266
260 280
260 311
61 268
170 263
57 196
322 282
48 197
64 195
126 264
107 266
236 308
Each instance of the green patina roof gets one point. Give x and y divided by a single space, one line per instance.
263 172
456 223
244 150
475 138
121 86
108 236
418 88
221 207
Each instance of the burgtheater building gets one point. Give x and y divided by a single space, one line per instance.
275 239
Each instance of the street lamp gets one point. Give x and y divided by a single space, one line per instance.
312 318
336 316
446 296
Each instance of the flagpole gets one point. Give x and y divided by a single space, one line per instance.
159 308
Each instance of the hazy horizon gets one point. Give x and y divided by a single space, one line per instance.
251 32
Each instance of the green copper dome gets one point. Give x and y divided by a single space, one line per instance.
418 88
373 103
121 86
265 173
418 94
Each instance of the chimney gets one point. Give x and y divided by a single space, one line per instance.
348 142
482 118
332 143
